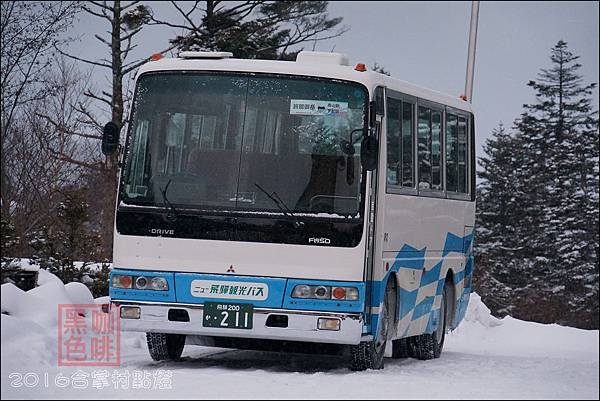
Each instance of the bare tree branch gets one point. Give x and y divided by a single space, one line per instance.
83 60
89 93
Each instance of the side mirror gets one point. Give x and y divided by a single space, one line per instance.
368 152
110 138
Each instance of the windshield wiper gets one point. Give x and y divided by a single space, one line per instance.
173 213
281 205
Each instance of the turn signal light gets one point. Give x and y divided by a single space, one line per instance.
339 293
120 281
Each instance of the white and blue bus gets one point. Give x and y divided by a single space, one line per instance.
306 203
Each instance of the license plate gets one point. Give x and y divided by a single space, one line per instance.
229 316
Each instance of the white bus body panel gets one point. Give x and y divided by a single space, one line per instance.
246 258
437 228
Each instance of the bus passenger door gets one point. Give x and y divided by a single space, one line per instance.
375 221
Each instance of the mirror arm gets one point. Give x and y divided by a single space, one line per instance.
372 113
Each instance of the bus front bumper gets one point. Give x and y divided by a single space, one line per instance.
301 325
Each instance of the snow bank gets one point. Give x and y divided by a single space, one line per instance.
40 304
488 335
79 293
478 312
29 318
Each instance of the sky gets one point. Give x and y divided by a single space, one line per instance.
425 43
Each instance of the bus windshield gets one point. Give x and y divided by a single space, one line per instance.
245 143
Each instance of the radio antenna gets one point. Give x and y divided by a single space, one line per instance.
471 53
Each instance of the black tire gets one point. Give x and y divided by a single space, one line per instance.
370 355
429 346
400 348
165 347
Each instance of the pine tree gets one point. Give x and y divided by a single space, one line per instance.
561 133
68 238
8 240
499 250
253 29
538 209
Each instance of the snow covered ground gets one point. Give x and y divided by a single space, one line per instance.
484 358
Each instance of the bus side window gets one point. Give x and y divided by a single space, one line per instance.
393 141
436 149
462 155
424 147
407 145
451 153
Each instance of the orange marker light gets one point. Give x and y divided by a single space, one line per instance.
339 293
156 57
360 67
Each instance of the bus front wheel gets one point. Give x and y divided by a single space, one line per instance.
369 355
164 347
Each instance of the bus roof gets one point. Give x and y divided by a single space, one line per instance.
316 64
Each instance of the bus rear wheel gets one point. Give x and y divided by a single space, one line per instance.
401 348
429 346
369 355
165 347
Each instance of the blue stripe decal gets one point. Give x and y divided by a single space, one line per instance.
432 275
374 320
142 295
412 258
324 305
423 308
467 243
454 243
469 266
432 324
440 287
183 283
409 258
459 276
407 301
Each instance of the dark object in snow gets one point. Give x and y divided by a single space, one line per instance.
24 279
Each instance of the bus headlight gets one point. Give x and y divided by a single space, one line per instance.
159 284
301 291
325 292
322 292
141 283
135 282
